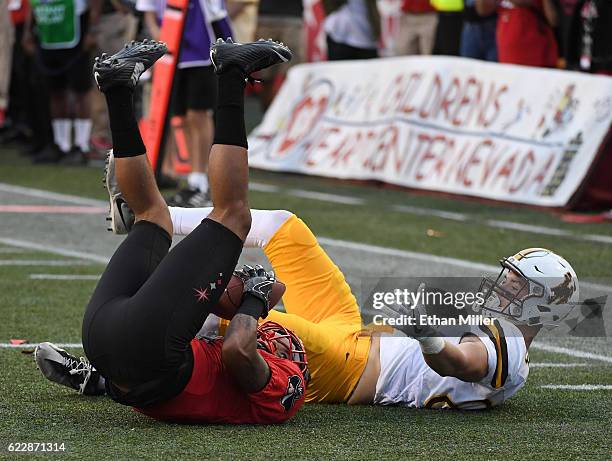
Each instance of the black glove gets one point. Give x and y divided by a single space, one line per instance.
257 283
410 317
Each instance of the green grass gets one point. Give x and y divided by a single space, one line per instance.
536 424
374 222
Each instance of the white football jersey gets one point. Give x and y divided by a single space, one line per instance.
406 379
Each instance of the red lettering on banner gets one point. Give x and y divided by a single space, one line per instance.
320 143
484 118
387 141
345 149
490 160
393 94
303 119
527 163
414 83
432 98
473 160
449 98
403 157
468 101
543 172
457 164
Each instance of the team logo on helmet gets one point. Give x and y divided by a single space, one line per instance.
534 287
295 390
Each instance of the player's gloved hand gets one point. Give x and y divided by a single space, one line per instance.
257 283
408 318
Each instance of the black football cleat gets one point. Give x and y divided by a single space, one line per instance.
125 67
59 366
248 57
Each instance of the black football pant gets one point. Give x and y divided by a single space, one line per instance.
150 303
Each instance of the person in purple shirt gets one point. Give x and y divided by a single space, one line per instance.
195 86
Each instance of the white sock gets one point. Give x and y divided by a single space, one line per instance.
61 133
264 223
198 181
82 133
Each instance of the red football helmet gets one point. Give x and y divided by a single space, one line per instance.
269 333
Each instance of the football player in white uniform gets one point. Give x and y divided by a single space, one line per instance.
486 364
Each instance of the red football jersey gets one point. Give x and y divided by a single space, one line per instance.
212 396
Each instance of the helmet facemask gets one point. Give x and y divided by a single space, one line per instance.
507 295
270 334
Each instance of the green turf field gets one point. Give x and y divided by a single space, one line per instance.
538 423
375 221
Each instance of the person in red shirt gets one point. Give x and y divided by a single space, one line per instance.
212 394
524 31
141 321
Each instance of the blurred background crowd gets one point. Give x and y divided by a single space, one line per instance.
49 105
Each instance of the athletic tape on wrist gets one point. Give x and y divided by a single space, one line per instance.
431 345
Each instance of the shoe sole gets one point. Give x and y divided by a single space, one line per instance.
268 44
114 216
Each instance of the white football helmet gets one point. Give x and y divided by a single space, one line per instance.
534 287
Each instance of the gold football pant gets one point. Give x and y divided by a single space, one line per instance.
321 310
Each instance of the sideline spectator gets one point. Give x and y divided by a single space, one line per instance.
66 35
243 14
565 9
195 87
7 35
417 28
352 28
478 36
117 26
524 31
450 26
30 121
590 38
283 22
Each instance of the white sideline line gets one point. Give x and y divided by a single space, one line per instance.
324 197
44 194
260 187
11 251
559 365
431 212
578 387
325 241
598 238
334 198
529 228
547 231
571 352
33 345
54 250
63 277
488 268
40 262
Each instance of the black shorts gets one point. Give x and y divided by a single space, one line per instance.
68 69
195 89
149 305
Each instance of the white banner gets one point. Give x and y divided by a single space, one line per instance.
453 125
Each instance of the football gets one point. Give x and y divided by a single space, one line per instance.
232 297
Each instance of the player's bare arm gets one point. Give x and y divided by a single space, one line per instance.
466 361
240 354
